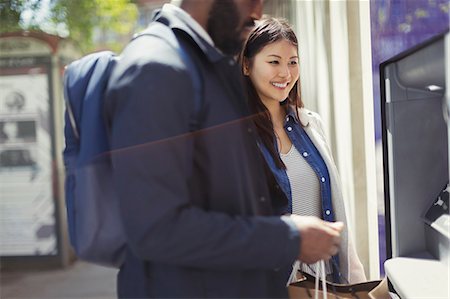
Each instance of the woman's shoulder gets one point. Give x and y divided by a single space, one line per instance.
306 116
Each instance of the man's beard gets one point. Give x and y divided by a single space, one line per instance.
223 26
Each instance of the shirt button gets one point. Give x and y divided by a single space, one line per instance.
323 180
249 130
328 212
262 199
231 62
289 129
305 154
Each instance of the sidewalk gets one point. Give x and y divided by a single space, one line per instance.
80 280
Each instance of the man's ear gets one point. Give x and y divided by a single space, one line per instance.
245 67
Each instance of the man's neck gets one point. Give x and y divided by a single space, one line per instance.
198 9
187 18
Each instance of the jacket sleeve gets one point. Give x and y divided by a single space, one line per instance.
152 158
355 267
319 126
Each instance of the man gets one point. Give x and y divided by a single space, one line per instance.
197 207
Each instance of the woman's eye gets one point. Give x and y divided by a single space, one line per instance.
273 62
293 62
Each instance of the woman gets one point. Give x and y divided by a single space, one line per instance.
292 139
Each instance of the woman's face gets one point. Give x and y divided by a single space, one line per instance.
274 71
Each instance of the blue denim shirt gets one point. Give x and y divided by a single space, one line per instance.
307 149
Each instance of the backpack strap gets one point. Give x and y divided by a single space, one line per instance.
179 43
85 79
69 110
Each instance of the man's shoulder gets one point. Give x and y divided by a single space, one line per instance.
150 47
146 52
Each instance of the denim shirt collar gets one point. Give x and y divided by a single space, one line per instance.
292 115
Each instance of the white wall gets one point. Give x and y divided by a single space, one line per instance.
336 80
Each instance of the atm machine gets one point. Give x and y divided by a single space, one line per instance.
415 122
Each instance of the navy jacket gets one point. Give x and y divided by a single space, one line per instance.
197 208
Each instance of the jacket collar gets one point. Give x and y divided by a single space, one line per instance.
303 114
169 18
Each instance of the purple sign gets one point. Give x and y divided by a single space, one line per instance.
398 26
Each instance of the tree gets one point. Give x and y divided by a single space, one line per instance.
79 20
11 11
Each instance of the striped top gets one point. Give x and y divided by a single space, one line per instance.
305 186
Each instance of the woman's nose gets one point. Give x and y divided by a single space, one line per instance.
284 71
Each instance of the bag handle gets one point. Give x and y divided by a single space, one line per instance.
336 270
321 272
320 266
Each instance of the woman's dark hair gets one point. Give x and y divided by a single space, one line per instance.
266 32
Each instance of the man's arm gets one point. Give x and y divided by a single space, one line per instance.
152 161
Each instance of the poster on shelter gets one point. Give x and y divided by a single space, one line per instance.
27 208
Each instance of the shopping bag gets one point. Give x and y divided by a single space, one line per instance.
306 287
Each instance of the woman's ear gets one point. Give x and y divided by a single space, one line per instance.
245 67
